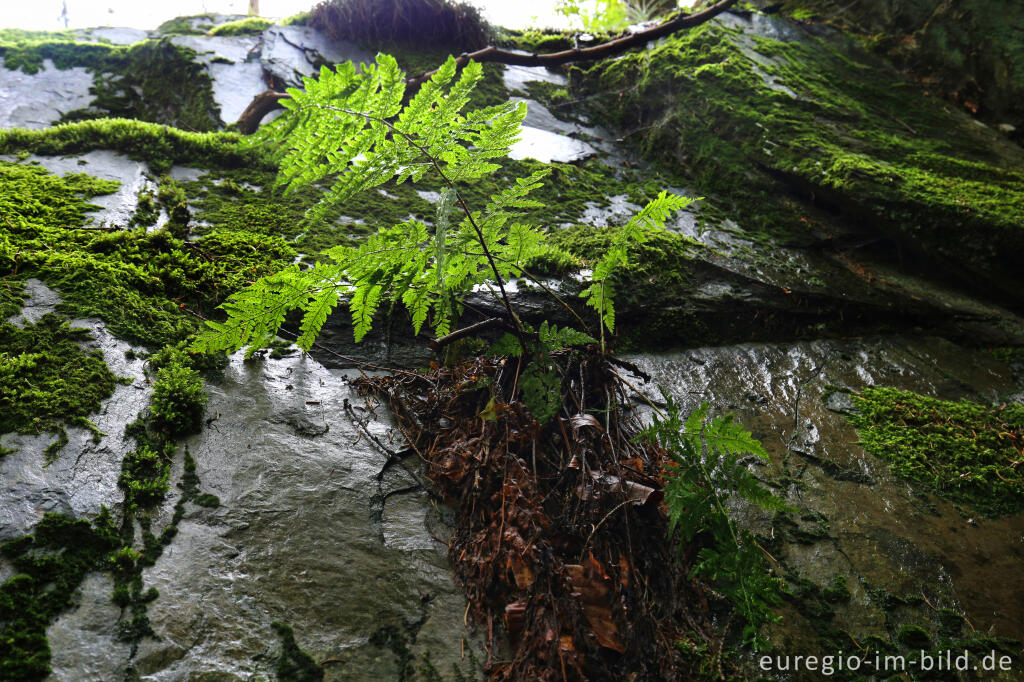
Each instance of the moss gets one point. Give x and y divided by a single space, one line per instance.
139 283
395 640
537 42
178 400
144 474
970 51
300 19
837 592
963 450
294 664
154 80
158 145
49 565
914 637
242 27
47 381
823 123
196 24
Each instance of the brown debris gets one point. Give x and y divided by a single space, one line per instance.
570 563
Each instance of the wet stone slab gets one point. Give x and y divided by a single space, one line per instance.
854 518
39 99
83 479
305 534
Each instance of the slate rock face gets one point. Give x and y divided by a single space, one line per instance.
36 100
311 530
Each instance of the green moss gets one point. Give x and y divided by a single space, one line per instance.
154 80
12 292
242 27
914 637
49 565
537 42
158 145
144 474
196 24
300 19
969 51
178 400
47 381
139 283
294 664
823 122
836 592
965 451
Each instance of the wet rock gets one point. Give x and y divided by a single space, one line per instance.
855 519
304 535
114 34
549 147
234 66
39 300
84 640
83 479
39 99
291 52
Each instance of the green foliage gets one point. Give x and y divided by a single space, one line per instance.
49 565
707 468
47 381
966 451
457 26
597 16
425 271
178 400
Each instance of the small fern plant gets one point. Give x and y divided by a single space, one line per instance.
350 126
707 466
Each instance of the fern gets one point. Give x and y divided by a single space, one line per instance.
706 468
349 126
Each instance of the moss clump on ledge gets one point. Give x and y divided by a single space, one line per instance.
965 451
159 145
242 27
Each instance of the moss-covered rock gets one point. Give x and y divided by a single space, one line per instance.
154 80
970 51
964 450
771 121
